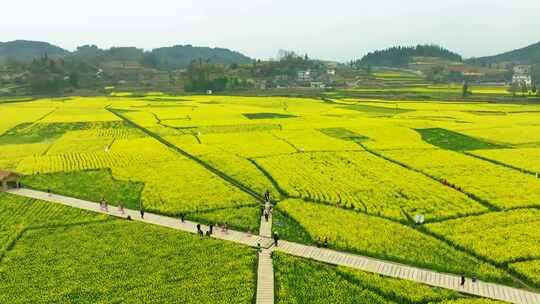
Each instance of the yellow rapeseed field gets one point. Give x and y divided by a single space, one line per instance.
362 161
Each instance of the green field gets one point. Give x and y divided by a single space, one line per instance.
93 258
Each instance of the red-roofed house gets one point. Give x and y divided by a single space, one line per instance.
8 180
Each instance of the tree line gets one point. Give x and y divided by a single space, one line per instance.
401 55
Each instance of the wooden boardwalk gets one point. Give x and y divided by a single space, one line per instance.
150 218
265 278
266 226
265 272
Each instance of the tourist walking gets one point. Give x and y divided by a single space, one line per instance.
266 215
276 239
267 196
211 229
199 231
259 249
462 282
142 213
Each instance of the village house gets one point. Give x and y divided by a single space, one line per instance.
9 180
522 75
305 75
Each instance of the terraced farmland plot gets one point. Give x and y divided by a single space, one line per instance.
314 140
362 181
522 158
71 155
528 269
513 134
500 186
182 186
13 115
48 132
91 185
11 155
499 236
75 143
74 112
233 165
81 161
373 236
253 144
449 140
18 213
386 135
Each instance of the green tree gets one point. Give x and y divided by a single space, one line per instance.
524 89
368 69
513 89
465 90
74 79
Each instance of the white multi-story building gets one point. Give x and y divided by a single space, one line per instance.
522 75
305 75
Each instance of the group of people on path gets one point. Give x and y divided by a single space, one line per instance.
210 230
462 280
322 243
104 206
267 211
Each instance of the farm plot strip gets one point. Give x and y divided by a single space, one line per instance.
201 162
425 276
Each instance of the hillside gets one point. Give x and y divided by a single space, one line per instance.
25 51
179 56
401 56
529 54
165 58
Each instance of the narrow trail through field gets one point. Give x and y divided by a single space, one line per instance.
265 273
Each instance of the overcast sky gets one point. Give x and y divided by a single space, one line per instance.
326 29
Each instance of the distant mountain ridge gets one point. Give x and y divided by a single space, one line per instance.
165 58
25 50
527 55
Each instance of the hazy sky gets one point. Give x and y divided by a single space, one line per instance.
329 29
